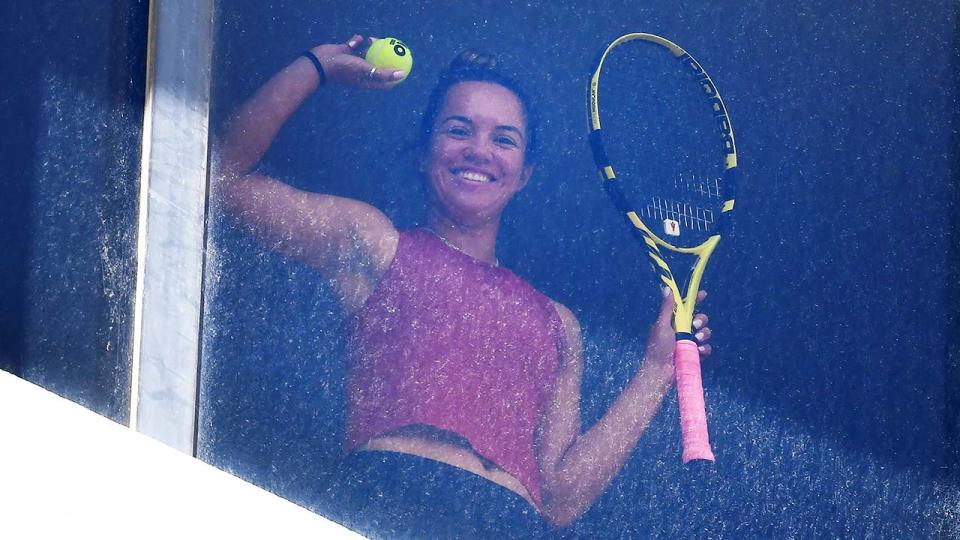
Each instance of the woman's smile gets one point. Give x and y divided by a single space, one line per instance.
473 175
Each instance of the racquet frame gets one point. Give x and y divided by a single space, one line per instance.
696 445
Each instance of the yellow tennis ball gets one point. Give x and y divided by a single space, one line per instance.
390 53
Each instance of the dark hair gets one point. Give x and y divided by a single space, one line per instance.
471 65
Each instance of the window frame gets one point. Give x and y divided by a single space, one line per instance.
171 223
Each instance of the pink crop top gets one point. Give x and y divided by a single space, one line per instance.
455 343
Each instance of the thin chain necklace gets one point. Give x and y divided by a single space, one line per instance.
496 261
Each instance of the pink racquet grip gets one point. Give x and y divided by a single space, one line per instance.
693 413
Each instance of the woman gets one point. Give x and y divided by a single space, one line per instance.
453 362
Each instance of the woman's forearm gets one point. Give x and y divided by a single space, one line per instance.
255 125
596 456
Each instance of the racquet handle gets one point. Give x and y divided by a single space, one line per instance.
693 414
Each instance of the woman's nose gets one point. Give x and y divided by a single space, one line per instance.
478 151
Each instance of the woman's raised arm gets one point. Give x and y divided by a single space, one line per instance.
348 241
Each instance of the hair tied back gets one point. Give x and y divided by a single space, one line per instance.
471 60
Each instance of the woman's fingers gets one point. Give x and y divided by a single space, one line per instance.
361 45
357 72
385 76
378 78
700 320
703 335
666 307
702 332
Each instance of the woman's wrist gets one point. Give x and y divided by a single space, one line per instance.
319 59
659 372
317 65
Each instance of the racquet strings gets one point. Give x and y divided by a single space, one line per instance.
663 141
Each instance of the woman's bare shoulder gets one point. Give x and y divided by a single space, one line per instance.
571 328
566 316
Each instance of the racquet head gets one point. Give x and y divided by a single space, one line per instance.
664 146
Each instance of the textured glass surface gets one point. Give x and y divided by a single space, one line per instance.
72 113
829 391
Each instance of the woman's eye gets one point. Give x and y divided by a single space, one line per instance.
506 141
458 131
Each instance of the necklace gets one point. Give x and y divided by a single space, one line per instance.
496 261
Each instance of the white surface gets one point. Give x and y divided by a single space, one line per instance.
66 472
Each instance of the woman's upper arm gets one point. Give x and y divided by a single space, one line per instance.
561 424
348 241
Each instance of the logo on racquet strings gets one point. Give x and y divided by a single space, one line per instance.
671 227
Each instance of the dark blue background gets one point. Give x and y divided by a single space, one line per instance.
828 391
71 111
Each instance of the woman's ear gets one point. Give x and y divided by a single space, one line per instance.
525 176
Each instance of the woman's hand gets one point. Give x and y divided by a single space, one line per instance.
343 63
662 339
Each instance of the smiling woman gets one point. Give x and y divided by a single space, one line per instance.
475 164
463 380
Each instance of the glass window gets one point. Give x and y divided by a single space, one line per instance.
826 389
72 115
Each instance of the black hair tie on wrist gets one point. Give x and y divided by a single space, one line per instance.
316 63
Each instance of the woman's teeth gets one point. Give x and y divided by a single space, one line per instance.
475 176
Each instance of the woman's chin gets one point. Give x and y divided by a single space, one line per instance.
471 212
469 203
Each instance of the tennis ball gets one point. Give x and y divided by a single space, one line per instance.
390 53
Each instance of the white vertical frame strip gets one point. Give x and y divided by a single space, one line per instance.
173 191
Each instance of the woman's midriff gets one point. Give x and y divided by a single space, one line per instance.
445 447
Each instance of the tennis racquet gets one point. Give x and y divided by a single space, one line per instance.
667 131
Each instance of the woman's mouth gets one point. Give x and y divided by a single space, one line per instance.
473 176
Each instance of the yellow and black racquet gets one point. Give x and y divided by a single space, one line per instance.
667 132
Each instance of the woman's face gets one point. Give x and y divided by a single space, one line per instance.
475 163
